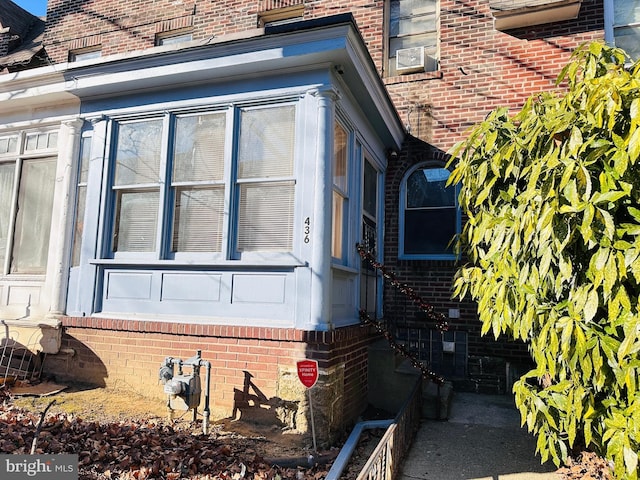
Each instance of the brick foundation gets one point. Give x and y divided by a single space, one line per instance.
253 370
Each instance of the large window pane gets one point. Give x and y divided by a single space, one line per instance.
139 147
265 158
430 231
266 217
340 190
199 148
428 188
136 221
198 220
266 143
33 218
138 153
370 193
81 200
430 213
337 227
628 38
7 171
626 30
198 172
340 158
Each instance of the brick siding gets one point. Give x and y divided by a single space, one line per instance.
129 354
480 69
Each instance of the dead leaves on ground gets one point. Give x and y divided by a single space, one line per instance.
139 450
587 467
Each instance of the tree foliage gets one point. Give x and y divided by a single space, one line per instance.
552 196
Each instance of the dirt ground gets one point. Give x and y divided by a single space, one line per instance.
109 405
122 435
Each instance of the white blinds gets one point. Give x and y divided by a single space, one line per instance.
198 219
198 173
266 217
137 221
265 169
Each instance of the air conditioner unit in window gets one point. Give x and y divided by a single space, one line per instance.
410 60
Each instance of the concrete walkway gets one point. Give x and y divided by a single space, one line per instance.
481 440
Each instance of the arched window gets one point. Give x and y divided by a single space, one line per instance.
429 215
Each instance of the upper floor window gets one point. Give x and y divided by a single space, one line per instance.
176 193
413 36
622 25
172 38
27 182
85 54
429 215
277 12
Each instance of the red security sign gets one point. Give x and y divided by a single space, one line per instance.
308 372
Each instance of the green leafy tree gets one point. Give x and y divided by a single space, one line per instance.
552 196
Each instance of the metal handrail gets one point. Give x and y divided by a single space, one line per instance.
384 462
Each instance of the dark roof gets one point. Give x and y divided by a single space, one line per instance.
27 31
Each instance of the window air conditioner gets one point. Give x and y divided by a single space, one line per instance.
410 60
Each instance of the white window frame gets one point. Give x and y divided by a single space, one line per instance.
402 219
29 146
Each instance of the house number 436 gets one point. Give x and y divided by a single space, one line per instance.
307 230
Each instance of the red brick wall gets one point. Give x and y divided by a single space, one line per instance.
122 26
432 280
480 67
129 354
483 68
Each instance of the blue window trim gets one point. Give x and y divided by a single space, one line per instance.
401 218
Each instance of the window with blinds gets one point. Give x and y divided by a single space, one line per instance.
179 191
265 179
198 183
413 24
137 186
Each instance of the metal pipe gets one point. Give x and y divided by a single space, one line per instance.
205 413
350 445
